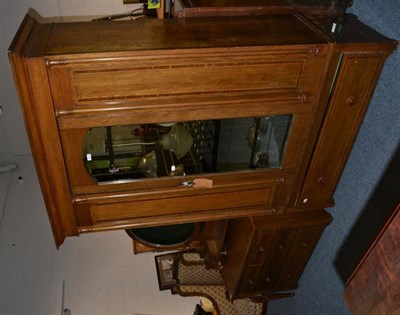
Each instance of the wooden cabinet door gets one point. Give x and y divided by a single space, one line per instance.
279 85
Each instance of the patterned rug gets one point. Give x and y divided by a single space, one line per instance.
195 280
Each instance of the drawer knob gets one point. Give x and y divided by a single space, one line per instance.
314 51
323 180
302 97
351 100
261 249
304 244
251 282
267 279
281 246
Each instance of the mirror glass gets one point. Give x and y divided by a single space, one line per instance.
132 152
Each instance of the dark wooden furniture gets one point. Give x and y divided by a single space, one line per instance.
372 219
269 254
374 287
75 77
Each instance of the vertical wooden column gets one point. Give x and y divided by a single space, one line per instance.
357 76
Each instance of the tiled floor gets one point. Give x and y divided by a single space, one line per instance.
99 272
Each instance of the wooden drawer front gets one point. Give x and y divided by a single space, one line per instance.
131 209
298 256
275 258
288 251
260 248
249 279
185 78
275 247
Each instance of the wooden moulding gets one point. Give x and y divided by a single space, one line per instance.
203 8
197 205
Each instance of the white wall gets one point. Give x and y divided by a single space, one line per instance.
13 138
5 151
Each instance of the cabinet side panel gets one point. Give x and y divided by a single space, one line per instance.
349 101
31 78
238 240
33 132
47 125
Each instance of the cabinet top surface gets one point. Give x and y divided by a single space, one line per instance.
154 34
148 34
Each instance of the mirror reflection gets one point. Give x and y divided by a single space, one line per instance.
184 148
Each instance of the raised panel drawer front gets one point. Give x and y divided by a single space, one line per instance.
150 210
275 259
260 247
274 246
249 279
184 77
298 256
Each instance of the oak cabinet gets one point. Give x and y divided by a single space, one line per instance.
110 122
274 88
246 118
